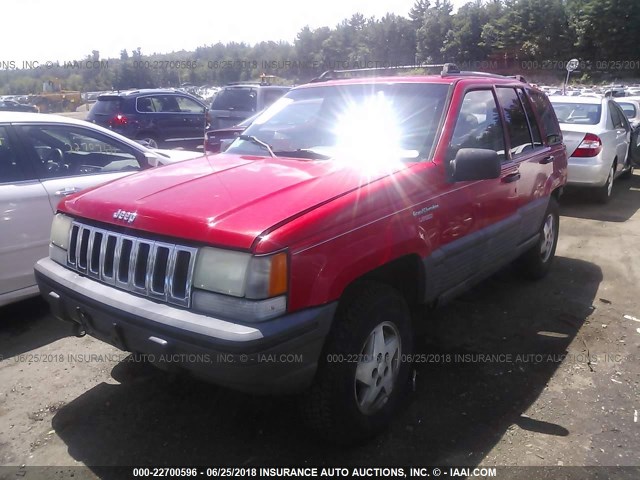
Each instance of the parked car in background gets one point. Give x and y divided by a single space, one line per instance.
284 118
597 135
216 141
631 108
44 158
235 103
165 118
313 237
13 106
615 91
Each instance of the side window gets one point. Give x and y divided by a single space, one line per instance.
10 168
478 124
62 151
616 116
628 109
156 103
188 105
145 104
515 120
533 122
547 116
168 104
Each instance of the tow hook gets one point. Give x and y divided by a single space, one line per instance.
79 327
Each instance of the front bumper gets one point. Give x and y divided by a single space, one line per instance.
276 356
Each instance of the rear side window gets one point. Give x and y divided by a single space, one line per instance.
107 106
10 168
533 122
616 116
515 120
145 104
243 99
166 104
547 116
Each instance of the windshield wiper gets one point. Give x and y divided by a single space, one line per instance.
303 153
257 141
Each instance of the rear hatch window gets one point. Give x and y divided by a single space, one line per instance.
243 99
106 106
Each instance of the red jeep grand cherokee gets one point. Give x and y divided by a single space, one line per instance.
291 262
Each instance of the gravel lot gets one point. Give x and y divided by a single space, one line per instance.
564 389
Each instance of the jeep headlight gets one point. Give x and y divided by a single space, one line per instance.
60 233
239 285
60 230
221 271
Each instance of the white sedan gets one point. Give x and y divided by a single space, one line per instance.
597 135
42 159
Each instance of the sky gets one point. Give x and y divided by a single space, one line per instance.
45 30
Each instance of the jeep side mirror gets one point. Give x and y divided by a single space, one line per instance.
475 164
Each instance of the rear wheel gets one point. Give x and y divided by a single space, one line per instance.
536 262
365 369
150 141
603 194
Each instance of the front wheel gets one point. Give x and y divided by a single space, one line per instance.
365 369
536 262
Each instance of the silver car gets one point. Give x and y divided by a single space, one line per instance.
597 135
43 158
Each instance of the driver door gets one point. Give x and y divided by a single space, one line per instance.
70 158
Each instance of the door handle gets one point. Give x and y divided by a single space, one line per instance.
512 177
67 191
546 160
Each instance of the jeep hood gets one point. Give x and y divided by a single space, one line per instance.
225 200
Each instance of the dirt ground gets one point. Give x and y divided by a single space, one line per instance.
561 387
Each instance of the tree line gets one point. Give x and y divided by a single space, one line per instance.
531 37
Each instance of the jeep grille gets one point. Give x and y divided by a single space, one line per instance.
158 270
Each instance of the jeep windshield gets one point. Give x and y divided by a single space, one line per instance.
374 122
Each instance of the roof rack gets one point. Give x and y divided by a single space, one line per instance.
448 69
451 69
337 74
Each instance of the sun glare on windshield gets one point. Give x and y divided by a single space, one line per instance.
369 135
373 127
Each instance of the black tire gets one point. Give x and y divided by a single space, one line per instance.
336 407
603 194
536 262
150 140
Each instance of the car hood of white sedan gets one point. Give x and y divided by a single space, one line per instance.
173 156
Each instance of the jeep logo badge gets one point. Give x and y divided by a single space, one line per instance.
128 217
